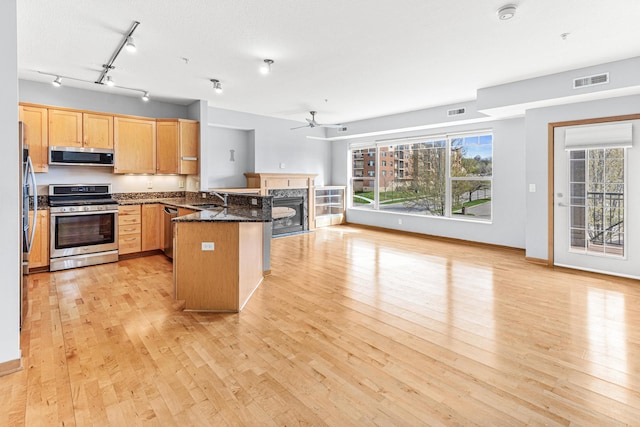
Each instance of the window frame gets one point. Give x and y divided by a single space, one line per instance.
369 146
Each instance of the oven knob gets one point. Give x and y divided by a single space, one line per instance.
72 209
86 208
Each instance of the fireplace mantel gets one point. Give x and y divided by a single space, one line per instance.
280 181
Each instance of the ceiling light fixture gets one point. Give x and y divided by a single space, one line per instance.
265 68
506 12
125 41
130 45
110 82
58 82
216 85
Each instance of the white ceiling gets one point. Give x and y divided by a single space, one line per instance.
347 59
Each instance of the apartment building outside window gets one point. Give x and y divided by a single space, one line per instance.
447 176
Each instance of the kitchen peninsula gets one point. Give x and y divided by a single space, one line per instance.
218 256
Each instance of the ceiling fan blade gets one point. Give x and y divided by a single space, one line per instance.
300 127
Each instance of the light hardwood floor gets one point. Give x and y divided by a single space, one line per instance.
354 327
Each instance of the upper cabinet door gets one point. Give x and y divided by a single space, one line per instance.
65 128
36 135
189 138
134 145
97 130
167 146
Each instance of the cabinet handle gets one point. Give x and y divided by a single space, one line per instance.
129 229
131 239
195 159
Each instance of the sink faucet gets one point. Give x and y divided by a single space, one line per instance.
224 197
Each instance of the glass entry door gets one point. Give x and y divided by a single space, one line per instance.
594 194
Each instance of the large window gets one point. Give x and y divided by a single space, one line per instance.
447 176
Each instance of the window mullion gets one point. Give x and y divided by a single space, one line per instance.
447 191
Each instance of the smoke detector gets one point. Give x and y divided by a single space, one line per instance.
506 12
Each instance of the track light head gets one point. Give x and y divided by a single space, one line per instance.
57 82
145 97
110 82
130 45
216 85
265 68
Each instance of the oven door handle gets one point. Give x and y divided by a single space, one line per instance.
83 213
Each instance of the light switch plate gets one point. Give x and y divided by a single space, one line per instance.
532 188
208 246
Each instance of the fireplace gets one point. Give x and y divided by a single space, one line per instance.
288 215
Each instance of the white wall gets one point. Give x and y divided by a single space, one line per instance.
271 143
10 216
226 169
507 226
537 121
98 100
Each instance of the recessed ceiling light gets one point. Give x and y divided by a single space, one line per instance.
145 97
265 68
57 82
110 82
507 12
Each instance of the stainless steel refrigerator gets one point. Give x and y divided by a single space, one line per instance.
28 187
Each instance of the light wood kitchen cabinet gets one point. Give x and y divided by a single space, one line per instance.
134 145
177 146
39 256
152 229
36 135
185 211
97 130
65 128
129 229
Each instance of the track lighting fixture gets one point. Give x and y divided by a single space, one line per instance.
216 85
130 45
126 41
265 68
58 82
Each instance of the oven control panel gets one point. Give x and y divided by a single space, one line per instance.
72 209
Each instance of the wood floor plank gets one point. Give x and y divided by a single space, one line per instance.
353 327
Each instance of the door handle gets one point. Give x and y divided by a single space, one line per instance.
564 205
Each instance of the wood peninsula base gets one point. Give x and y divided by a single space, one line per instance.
222 279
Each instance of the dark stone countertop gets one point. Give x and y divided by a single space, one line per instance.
208 214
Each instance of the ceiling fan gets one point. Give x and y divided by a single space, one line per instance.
312 123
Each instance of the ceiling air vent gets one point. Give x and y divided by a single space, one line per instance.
598 79
456 112
342 129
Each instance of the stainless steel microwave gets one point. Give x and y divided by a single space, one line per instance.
81 156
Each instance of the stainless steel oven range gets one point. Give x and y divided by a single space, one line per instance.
84 225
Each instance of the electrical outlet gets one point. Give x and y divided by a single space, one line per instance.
282 165
181 183
399 221
208 246
204 195
254 202
149 184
